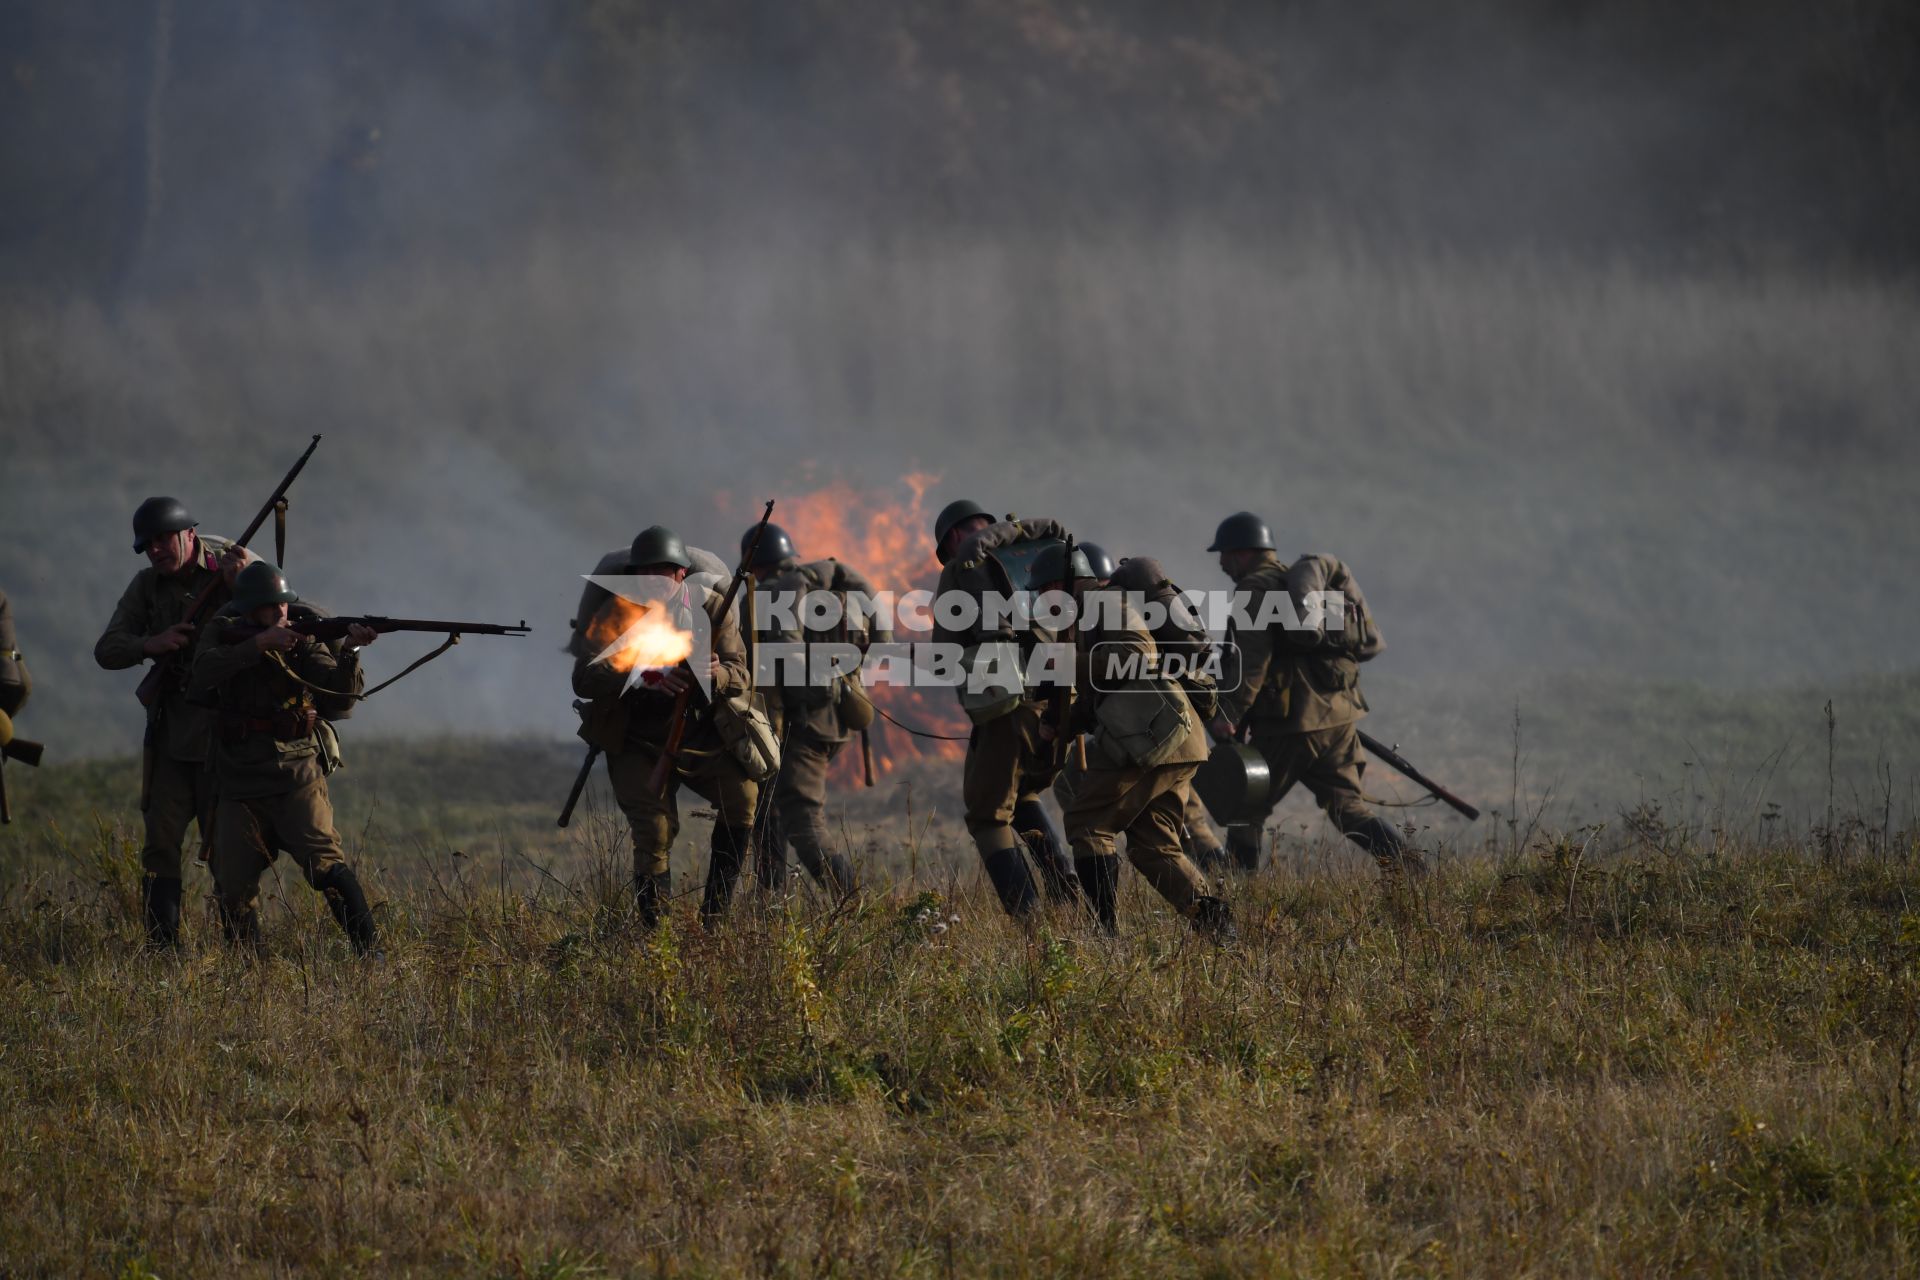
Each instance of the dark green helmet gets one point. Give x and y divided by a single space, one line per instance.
1098 559
774 547
1049 565
657 544
950 515
156 517
261 583
1242 531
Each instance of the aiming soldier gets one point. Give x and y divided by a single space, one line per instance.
274 694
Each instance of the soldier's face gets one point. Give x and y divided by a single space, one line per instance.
169 552
269 615
960 533
672 571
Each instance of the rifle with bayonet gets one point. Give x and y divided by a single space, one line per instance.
1405 768
168 669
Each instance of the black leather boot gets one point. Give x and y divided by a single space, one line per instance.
1007 868
841 880
650 894
729 853
241 929
1244 845
1057 870
1100 881
348 902
160 909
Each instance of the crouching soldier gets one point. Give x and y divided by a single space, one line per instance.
1130 775
633 725
274 694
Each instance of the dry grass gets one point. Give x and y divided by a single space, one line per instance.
1664 1060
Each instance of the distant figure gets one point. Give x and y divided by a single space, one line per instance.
16 683
149 624
632 727
1007 766
814 721
1299 694
275 693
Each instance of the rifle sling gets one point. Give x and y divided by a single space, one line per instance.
453 638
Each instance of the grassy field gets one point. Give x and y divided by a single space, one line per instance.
1653 1048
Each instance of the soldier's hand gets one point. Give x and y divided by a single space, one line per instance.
279 638
674 680
1220 729
360 636
232 561
1047 733
177 636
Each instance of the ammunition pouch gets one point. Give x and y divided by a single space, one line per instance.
1140 728
997 699
853 704
746 731
603 722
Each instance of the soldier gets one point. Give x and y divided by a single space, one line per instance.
1007 765
1131 776
16 683
275 693
632 726
150 623
1299 692
1183 632
812 720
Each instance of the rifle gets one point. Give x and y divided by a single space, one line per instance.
335 628
27 753
580 779
1060 704
683 701
165 668
1402 765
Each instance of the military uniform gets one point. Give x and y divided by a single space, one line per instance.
1180 631
272 751
16 683
1007 766
632 726
1131 774
176 786
1299 699
811 721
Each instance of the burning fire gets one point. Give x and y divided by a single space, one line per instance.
889 539
638 638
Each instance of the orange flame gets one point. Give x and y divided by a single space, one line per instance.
637 637
889 539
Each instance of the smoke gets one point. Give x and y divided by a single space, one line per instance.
1429 303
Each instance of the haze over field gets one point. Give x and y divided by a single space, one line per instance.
1596 356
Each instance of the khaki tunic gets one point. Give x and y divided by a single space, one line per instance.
632 726
269 771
